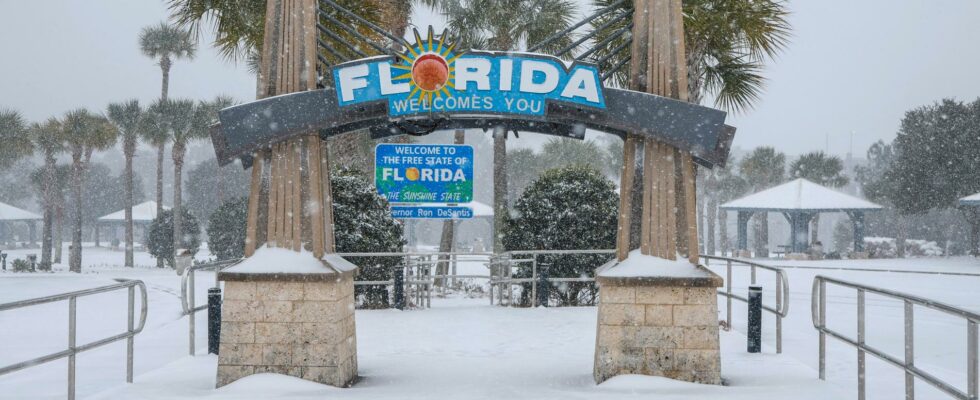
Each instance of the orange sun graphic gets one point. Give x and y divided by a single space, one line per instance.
430 66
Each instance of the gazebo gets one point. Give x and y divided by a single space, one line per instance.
143 214
9 213
799 201
972 200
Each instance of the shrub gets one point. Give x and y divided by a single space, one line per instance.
565 209
226 229
21 265
160 238
363 223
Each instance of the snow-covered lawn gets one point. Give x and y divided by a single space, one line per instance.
464 348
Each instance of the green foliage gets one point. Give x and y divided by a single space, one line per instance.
727 42
226 229
104 192
239 25
20 265
524 165
15 138
127 117
160 237
937 156
363 223
819 168
763 168
209 186
167 42
871 175
507 24
566 208
843 236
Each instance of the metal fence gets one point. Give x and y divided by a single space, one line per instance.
907 361
503 277
187 286
74 348
781 310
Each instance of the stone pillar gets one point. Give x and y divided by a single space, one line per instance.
664 326
857 218
743 234
297 324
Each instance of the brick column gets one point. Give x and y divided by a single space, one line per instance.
659 325
297 324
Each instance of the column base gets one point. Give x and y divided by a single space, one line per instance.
664 323
297 324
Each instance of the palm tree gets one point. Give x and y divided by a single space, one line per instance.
14 137
127 118
726 43
46 137
166 43
822 169
504 25
83 133
185 122
154 131
761 169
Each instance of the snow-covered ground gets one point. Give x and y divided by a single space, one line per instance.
464 348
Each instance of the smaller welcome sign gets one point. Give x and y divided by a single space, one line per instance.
431 77
424 173
431 212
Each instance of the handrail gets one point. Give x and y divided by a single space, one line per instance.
187 301
818 309
782 292
74 349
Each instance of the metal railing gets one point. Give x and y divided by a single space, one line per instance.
781 310
187 291
74 348
907 362
505 280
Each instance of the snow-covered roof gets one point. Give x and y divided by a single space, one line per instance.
799 195
146 211
11 213
971 200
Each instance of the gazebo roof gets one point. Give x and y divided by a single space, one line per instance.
800 195
11 213
971 200
146 212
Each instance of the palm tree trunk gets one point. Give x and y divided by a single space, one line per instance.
165 82
816 229
161 148
75 255
723 231
130 149
48 199
500 208
448 237
59 228
178 155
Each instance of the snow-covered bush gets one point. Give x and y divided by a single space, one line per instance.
20 265
565 209
883 247
363 223
160 238
226 229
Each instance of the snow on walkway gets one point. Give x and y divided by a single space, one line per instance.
475 351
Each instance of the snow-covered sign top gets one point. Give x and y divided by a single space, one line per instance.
971 200
799 195
11 213
141 212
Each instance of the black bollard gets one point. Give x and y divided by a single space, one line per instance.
755 319
544 287
33 259
214 319
3 256
399 289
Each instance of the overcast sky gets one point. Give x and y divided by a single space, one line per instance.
853 67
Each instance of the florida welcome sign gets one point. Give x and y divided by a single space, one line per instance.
432 85
433 77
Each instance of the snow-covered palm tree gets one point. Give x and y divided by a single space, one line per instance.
127 117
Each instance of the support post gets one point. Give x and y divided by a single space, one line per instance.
857 219
743 230
214 319
755 319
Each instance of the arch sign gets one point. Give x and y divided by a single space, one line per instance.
432 86
434 78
